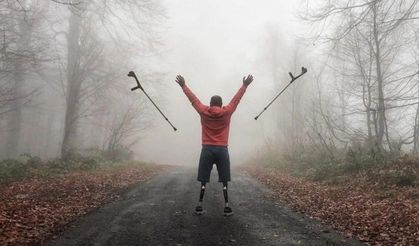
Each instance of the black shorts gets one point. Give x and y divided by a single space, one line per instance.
211 155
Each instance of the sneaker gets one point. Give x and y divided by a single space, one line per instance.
199 210
228 211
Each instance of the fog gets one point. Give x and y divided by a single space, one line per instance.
340 144
213 44
64 88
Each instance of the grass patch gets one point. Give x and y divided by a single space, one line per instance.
338 166
28 166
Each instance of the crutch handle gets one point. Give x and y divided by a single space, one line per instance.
292 76
135 88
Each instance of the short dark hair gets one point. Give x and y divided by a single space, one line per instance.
216 101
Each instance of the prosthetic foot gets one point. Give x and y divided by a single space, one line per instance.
228 211
199 210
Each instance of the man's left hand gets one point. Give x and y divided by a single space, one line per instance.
180 80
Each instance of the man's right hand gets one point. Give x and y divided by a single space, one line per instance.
180 80
248 80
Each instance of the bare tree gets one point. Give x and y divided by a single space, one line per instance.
22 48
375 24
82 58
124 128
83 69
416 125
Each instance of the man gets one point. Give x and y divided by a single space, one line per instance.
215 121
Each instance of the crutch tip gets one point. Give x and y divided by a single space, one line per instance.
256 118
174 128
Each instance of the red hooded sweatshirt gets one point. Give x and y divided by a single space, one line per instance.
215 120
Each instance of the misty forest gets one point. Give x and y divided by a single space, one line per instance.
323 142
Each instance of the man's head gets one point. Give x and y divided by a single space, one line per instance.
216 101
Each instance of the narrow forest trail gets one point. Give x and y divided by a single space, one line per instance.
160 212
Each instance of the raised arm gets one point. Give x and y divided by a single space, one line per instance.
231 107
196 103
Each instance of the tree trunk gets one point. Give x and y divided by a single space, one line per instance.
416 132
15 118
368 102
380 83
73 84
416 126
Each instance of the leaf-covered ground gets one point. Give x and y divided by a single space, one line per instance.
374 214
35 209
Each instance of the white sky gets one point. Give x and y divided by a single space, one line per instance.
213 44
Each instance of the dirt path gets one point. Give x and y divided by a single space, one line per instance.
159 212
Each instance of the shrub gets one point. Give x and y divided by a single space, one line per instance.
118 154
29 166
337 165
32 161
11 169
83 160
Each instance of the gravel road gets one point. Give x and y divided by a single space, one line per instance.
160 212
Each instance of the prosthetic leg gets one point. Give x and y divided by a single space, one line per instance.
227 210
198 209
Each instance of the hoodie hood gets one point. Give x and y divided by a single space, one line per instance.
216 112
